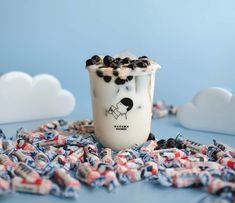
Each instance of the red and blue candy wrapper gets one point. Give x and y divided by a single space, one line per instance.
43 161
71 186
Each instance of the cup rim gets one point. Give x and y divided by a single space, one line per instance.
150 70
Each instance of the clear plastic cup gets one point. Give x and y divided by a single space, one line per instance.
122 113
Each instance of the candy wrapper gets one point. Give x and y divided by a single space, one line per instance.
160 109
43 161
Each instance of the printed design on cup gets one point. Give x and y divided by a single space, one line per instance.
121 108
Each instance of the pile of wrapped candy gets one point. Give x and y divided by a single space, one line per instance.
57 156
161 109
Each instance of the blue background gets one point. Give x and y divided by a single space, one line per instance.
193 41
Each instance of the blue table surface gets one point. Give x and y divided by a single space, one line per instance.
143 191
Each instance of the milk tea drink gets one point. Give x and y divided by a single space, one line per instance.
122 95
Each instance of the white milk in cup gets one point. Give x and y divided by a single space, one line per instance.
122 95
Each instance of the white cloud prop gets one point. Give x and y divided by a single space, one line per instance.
212 109
24 98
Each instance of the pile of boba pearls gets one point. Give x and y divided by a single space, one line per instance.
57 157
142 62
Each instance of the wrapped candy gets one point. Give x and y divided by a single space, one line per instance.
57 141
192 145
41 160
4 186
24 158
54 125
148 146
229 162
224 147
2 137
83 126
74 159
56 152
40 186
87 174
70 184
106 156
26 172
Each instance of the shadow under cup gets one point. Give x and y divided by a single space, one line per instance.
122 112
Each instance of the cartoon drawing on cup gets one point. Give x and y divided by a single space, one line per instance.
121 108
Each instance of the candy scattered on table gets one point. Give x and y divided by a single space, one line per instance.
56 157
161 109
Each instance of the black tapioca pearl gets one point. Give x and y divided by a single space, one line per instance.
114 65
115 73
180 145
161 144
220 146
132 66
134 61
143 57
157 148
117 60
107 60
171 139
90 62
170 110
129 78
119 81
171 143
96 58
146 61
126 60
151 136
142 64
99 73
107 78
